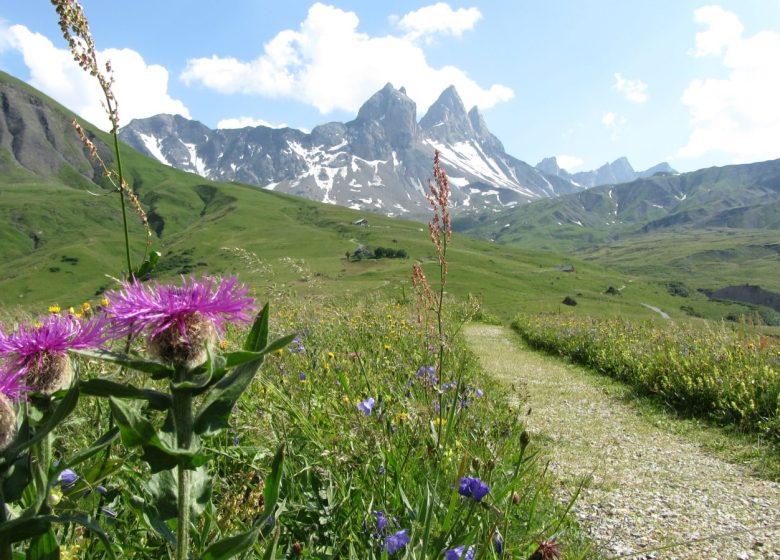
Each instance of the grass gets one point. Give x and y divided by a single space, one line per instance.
725 375
342 466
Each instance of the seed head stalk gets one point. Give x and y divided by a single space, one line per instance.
75 29
440 228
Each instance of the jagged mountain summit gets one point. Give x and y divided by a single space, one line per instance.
619 171
380 161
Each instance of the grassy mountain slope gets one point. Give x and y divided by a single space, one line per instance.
60 234
708 229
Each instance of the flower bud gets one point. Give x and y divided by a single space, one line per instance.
188 347
52 373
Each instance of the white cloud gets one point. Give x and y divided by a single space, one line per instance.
330 65
738 115
614 123
724 28
569 163
439 18
140 89
634 90
243 122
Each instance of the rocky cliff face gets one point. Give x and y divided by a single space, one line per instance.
380 161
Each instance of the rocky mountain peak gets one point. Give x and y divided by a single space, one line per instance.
389 115
549 165
447 117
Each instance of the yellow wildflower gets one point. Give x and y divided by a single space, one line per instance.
85 307
54 309
104 302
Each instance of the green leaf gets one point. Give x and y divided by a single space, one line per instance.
86 522
44 547
50 421
214 413
101 443
23 528
272 483
230 546
106 388
138 431
156 369
164 490
148 266
258 334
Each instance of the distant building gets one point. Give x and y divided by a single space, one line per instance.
361 222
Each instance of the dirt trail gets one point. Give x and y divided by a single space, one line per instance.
646 488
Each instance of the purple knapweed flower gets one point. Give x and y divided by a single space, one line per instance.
457 553
181 321
36 356
396 542
366 406
67 478
473 488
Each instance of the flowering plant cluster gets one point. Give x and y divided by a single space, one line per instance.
181 325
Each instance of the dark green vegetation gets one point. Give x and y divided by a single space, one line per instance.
702 230
60 234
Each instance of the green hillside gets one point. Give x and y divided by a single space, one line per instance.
60 235
706 229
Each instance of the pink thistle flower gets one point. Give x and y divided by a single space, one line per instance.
36 356
180 320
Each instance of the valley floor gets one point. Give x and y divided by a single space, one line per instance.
646 489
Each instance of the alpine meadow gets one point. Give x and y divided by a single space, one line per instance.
382 336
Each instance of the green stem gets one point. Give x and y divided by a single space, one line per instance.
115 135
182 415
6 553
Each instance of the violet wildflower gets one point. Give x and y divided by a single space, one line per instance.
366 406
382 523
457 553
498 543
101 489
67 478
473 488
108 511
38 353
396 542
182 321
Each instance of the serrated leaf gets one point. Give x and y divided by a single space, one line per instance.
106 388
156 369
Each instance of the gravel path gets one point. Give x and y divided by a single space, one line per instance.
645 487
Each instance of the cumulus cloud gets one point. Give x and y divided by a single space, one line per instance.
609 119
243 122
439 18
634 90
723 29
569 163
329 64
140 89
739 114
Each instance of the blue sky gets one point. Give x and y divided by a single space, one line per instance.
692 83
